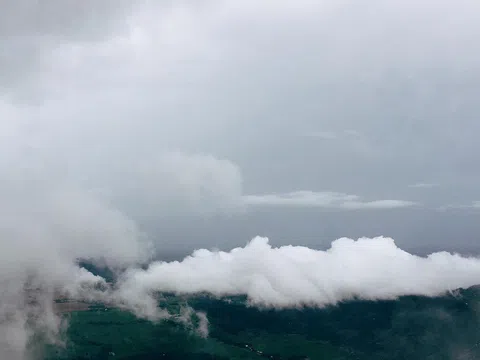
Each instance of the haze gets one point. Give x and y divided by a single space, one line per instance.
209 123
179 112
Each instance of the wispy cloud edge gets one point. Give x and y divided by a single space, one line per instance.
324 199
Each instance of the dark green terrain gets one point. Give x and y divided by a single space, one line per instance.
408 328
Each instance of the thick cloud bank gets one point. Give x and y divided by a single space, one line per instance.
284 277
292 276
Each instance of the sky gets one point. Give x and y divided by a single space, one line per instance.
204 124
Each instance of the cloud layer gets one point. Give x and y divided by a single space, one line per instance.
293 276
328 200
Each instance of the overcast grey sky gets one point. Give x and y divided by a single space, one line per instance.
210 122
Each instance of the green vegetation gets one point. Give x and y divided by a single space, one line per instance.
409 328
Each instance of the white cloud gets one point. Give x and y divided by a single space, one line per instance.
292 276
355 141
327 135
49 219
474 205
176 184
378 204
423 185
353 133
45 226
332 200
72 191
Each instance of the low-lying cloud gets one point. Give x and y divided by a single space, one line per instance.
295 276
50 218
